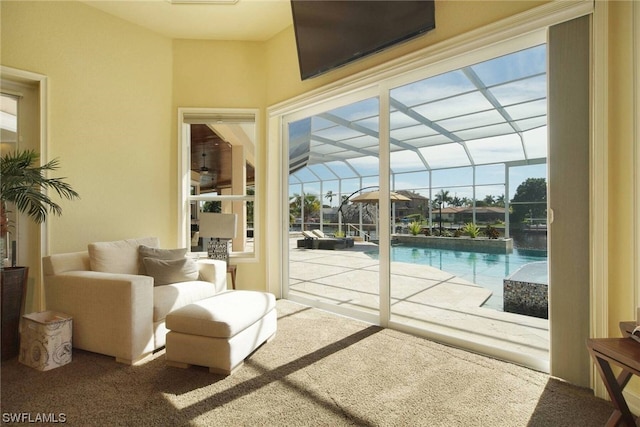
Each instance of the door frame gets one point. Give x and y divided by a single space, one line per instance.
14 75
536 19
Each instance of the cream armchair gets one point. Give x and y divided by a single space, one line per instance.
118 313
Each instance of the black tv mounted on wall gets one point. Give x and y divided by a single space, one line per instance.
332 33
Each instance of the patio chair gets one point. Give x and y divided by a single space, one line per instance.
348 240
307 241
316 239
320 234
310 235
312 241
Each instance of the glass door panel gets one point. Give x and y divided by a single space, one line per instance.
467 148
333 234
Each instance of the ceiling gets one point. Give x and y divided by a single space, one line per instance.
210 151
250 20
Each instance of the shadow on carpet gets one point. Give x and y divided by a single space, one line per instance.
321 369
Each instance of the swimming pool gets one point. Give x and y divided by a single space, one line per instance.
484 269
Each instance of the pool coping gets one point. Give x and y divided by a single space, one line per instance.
463 243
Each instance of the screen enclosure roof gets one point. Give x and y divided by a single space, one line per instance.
488 113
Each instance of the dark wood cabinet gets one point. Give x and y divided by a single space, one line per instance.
13 289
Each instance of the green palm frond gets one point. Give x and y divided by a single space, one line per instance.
22 182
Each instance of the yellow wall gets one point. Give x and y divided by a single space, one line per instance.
109 121
218 74
622 298
109 118
621 174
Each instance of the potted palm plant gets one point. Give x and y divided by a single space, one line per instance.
22 183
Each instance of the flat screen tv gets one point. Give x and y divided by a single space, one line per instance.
332 33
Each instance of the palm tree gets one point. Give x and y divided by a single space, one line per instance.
329 196
457 201
23 183
294 207
311 206
443 198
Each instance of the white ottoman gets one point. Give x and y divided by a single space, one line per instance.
221 331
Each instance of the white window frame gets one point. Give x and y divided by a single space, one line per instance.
184 175
17 76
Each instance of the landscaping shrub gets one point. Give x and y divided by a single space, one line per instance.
491 232
415 227
471 230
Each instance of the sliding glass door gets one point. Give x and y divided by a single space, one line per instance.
333 221
421 203
464 145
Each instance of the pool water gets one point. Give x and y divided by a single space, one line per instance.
484 269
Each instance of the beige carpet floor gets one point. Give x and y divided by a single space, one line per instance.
320 370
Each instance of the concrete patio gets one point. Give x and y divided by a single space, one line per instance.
422 297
